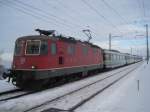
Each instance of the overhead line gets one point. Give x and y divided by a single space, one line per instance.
66 7
46 2
68 14
25 12
114 10
100 15
30 13
47 13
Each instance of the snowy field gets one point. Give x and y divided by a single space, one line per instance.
5 86
123 96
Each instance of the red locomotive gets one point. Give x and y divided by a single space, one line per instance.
40 58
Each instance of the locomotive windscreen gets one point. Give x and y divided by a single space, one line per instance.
33 46
18 47
36 47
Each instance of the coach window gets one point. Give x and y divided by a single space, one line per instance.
53 48
117 57
44 47
107 56
112 56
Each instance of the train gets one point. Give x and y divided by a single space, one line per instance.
40 59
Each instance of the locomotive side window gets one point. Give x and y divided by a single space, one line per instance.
71 50
44 47
85 50
53 48
94 50
18 47
33 47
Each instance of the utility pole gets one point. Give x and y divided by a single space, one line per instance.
110 41
147 43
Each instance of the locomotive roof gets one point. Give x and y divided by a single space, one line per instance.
60 37
33 37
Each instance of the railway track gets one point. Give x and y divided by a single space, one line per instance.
101 90
9 91
12 94
78 97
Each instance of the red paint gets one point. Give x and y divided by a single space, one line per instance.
50 61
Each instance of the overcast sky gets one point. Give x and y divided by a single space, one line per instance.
124 18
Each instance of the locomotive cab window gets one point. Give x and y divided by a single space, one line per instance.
44 48
33 47
18 47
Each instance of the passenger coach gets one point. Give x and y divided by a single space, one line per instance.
113 58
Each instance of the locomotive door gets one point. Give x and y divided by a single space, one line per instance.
57 53
61 59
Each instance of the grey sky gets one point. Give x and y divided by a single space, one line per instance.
70 17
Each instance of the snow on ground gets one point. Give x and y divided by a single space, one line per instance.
23 103
1 71
124 95
5 86
69 101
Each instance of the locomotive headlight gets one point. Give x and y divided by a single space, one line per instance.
33 67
